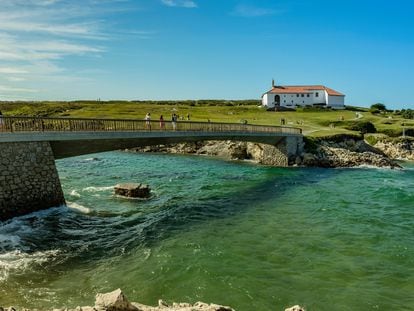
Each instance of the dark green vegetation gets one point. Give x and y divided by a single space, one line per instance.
314 121
377 108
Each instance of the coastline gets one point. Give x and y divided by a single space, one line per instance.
338 151
116 301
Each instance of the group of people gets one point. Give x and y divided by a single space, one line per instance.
174 119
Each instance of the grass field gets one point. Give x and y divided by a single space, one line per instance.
313 122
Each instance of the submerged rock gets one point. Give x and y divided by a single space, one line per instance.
133 190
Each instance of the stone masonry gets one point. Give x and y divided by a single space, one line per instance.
28 179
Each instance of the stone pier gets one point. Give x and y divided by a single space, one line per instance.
29 180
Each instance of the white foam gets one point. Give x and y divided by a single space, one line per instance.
75 193
78 207
97 189
17 261
90 159
368 166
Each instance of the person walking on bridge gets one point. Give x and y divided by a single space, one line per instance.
148 121
174 119
162 123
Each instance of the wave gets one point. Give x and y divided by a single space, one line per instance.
90 159
11 230
75 193
17 262
80 208
381 168
9 241
97 189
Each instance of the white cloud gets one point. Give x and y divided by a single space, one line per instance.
180 3
36 36
9 89
244 10
11 70
15 79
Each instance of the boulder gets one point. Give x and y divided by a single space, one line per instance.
114 301
295 308
133 190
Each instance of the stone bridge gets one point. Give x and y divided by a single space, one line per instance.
29 146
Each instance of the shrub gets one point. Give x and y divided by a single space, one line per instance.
337 138
391 132
371 139
311 144
407 113
353 108
362 126
409 132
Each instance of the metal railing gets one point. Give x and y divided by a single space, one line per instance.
34 124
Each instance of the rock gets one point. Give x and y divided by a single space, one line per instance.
326 152
133 190
397 149
200 304
114 301
295 308
162 303
309 159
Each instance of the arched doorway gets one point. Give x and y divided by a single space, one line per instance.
277 100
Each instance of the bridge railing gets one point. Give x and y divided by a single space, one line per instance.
34 124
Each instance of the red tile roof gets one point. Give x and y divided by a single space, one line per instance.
303 89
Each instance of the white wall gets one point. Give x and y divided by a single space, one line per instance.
292 100
336 102
266 101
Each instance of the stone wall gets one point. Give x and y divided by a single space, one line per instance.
28 179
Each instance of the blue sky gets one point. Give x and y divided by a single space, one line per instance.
202 49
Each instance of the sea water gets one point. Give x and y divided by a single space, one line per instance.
234 233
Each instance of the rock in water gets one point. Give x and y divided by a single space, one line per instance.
133 190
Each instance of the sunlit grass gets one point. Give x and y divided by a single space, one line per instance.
313 123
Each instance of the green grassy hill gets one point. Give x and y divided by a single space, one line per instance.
313 122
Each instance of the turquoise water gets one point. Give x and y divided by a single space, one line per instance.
234 233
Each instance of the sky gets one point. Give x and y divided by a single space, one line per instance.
206 49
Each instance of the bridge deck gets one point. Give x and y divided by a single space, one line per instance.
71 137
31 124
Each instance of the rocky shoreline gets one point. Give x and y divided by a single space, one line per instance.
334 151
116 301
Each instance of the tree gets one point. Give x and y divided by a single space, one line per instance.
378 106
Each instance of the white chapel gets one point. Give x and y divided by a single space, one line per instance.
303 95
